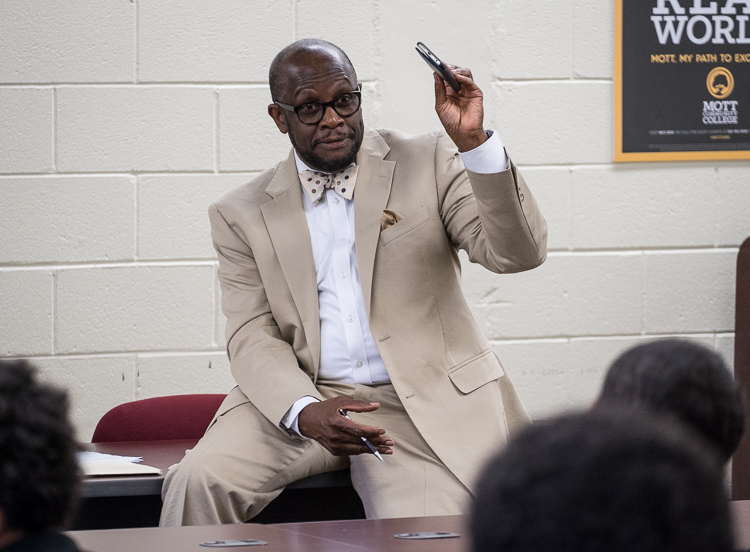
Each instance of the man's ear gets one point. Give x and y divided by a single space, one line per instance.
278 117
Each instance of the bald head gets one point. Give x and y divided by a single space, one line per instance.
301 53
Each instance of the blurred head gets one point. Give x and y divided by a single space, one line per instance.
602 481
683 379
310 72
39 473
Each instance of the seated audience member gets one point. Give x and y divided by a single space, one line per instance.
614 481
39 473
679 378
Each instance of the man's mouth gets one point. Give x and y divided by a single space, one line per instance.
334 143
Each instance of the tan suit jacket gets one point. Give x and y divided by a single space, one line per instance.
441 365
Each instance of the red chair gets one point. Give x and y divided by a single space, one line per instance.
158 419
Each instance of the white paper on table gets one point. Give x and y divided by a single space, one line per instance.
96 463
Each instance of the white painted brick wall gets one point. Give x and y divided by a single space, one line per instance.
26 307
569 295
66 41
248 138
525 37
121 121
593 36
26 123
96 384
356 26
160 374
134 309
101 129
554 122
689 292
656 206
172 214
193 41
67 219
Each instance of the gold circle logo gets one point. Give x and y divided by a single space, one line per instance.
720 83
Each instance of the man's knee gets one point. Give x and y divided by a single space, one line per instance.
197 492
197 473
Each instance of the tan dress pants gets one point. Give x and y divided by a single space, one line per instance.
244 461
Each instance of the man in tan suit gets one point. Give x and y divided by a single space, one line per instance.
341 286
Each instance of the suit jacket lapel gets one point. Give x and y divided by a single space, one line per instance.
287 226
371 194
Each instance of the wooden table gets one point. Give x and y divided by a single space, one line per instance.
188 539
330 536
159 454
377 534
128 500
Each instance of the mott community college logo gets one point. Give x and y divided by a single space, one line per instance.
720 84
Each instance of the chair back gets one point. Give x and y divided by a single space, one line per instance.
741 459
158 419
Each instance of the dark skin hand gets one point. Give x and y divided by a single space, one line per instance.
341 437
461 113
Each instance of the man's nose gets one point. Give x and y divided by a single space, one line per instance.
331 118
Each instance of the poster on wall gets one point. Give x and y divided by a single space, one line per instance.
682 80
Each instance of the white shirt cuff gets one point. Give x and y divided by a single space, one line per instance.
290 421
488 158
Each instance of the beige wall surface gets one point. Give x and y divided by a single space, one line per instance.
122 120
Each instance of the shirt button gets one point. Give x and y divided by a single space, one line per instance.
350 318
359 364
335 200
342 275
342 239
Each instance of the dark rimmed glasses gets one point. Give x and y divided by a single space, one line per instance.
311 113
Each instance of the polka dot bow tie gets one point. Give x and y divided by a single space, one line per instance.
342 182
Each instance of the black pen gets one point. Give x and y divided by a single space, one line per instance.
368 443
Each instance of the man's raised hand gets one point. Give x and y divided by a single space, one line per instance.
462 113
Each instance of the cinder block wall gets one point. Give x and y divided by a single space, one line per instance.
122 120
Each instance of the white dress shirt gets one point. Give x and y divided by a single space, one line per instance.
348 351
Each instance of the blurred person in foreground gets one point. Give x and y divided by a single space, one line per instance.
683 379
606 480
39 472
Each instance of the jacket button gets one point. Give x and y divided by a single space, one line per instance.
521 197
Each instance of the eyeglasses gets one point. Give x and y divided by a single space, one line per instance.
311 113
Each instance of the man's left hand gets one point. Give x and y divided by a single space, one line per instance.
462 113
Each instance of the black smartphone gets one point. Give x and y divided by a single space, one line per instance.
438 66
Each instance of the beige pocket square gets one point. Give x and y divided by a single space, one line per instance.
389 218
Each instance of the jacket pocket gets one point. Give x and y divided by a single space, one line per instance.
476 372
405 225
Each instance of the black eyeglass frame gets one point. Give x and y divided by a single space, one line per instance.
325 106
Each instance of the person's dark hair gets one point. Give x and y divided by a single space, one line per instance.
276 76
614 481
684 379
39 472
